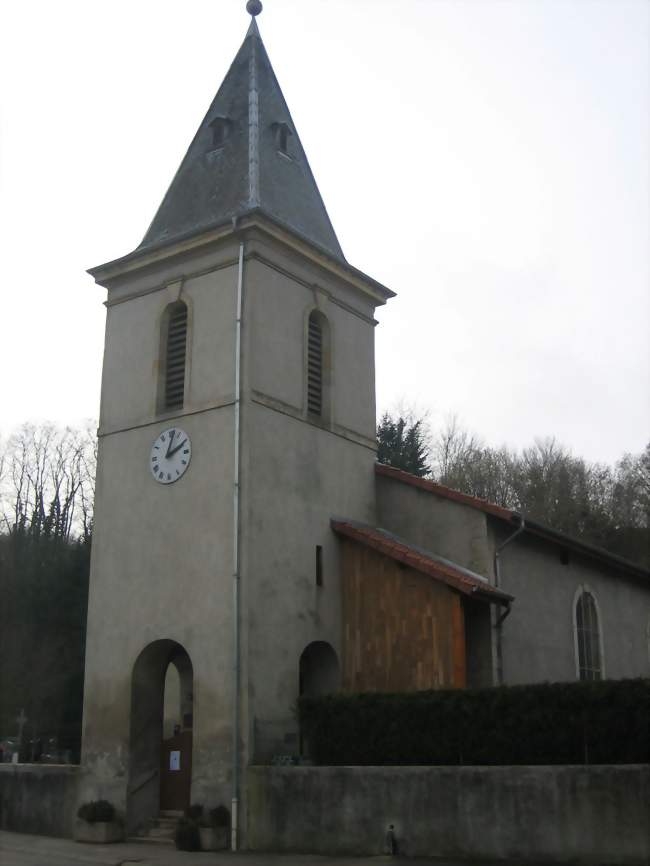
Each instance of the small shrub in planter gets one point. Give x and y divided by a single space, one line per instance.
194 812
215 829
220 817
186 837
97 822
96 810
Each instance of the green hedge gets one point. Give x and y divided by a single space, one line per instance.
559 723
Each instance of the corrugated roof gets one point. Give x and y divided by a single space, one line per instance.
456 577
237 163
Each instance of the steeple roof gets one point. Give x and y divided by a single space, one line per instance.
245 157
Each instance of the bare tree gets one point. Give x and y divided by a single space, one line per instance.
47 481
462 461
452 449
631 494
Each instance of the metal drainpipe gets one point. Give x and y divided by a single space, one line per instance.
234 824
497 583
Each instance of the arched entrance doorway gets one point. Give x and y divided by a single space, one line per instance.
160 748
319 670
318 674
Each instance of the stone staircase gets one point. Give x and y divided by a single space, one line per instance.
161 829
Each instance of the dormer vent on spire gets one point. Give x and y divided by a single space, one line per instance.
221 128
282 133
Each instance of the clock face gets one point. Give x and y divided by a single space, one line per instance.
170 455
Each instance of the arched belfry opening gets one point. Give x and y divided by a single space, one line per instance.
318 366
160 743
173 357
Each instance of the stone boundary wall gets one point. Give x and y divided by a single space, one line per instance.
585 814
38 798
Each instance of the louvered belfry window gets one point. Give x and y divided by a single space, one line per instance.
315 367
176 348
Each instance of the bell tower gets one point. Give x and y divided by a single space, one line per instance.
237 417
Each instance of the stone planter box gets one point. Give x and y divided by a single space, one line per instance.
98 833
214 838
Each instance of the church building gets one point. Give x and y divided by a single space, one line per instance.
247 546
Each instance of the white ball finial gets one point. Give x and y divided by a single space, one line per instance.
254 7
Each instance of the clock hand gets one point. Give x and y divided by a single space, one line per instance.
169 445
178 448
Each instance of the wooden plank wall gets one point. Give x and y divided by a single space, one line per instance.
402 630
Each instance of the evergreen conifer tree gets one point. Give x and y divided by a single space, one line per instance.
402 443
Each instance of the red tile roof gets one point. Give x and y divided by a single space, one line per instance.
441 570
514 517
447 492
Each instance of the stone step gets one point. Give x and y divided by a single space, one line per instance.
165 822
153 840
162 829
159 832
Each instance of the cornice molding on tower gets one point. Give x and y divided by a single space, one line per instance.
140 260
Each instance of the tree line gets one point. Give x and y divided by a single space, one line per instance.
608 506
47 477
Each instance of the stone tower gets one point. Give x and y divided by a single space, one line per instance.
237 417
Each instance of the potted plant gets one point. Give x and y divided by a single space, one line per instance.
186 837
214 829
97 822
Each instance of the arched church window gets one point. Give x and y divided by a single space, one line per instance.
174 356
317 337
589 653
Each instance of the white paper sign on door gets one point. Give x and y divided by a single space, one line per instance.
174 760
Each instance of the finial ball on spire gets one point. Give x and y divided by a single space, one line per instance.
254 7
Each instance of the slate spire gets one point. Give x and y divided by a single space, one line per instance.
246 157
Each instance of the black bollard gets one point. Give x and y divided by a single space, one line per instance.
391 840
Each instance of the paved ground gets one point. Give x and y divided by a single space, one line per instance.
18 849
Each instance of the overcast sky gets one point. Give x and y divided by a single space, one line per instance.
486 159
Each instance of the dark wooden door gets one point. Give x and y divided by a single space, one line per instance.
176 772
